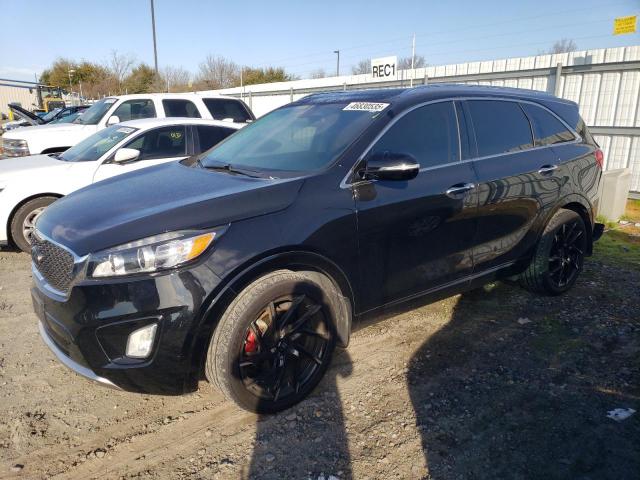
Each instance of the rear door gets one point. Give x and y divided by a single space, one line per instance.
159 145
207 136
417 235
517 183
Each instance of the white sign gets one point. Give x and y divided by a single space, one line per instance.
366 107
384 67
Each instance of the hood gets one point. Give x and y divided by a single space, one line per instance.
160 199
71 131
28 165
26 115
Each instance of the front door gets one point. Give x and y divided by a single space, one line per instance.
159 145
417 235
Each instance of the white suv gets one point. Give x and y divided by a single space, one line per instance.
111 110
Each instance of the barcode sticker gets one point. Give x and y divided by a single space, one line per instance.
366 107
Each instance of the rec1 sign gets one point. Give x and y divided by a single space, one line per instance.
384 67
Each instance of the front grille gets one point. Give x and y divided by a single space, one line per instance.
54 263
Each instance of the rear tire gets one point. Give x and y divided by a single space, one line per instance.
274 342
559 255
23 221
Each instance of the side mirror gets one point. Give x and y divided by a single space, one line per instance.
113 119
126 155
391 166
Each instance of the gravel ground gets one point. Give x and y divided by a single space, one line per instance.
495 383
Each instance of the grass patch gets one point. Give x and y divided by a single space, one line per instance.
618 247
632 212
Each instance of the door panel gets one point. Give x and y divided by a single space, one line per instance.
413 235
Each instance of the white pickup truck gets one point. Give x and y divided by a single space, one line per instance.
111 110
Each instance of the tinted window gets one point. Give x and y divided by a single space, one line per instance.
296 138
223 108
429 133
500 127
210 136
162 142
547 129
180 108
133 109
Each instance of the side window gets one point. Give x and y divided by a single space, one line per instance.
133 109
162 142
210 136
180 108
500 127
429 133
547 129
221 108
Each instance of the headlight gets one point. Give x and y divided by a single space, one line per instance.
14 148
152 254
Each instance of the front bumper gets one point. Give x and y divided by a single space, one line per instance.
88 331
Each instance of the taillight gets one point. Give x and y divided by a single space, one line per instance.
599 158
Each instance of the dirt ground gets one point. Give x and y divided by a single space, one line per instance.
495 383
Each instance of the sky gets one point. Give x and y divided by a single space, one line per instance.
300 36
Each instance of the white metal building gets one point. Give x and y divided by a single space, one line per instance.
12 91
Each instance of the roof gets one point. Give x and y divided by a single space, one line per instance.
133 96
145 123
426 93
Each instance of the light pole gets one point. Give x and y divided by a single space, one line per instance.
153 28
69 72
338 63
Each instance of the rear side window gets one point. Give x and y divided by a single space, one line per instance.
164 142
547 129
500 127
222 108
210 136
180 108
133 109
429 133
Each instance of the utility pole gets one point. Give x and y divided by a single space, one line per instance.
338 64
153 28
413 59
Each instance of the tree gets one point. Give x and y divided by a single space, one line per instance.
95 79
252 76
120 66
418 62
141 79
563 45
218 72
319 73
363 66
173 79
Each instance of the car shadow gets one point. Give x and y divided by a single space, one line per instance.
518 386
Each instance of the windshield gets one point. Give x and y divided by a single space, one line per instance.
95 112
299 138
68 118
51 114
93 147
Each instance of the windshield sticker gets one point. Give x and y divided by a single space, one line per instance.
126 130
176 135
366 107
110 100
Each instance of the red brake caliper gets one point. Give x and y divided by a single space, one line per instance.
250 343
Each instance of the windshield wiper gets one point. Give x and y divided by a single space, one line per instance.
226 167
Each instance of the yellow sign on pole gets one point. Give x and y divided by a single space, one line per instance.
622 25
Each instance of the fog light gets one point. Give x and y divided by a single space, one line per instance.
140 342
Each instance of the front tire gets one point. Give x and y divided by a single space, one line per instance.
274 342
559 255
24 220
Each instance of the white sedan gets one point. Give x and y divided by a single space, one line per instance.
29 184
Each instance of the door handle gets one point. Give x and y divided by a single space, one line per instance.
459 189
547 169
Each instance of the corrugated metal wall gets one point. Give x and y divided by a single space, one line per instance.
604 82
15 94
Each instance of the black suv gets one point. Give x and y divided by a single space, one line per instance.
250 262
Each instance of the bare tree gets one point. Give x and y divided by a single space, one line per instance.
319 73
563 45
363 66
418 62
120 66
174 79
218 72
